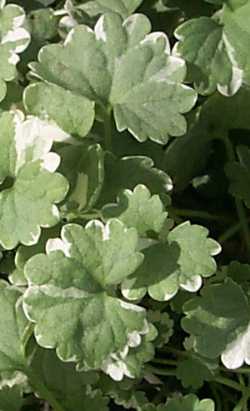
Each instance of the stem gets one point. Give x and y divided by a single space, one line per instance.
229 233
238 203
108 130
158 371
230 383
242 405
43 391
165 361
198 214
216 397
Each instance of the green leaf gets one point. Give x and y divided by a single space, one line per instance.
23 254
94 8
83 166
216 49
70 387
179 263
30 188
138 209
79 273
238 173
218 321
105 75
193 372
14 39
164 326
201 41
10 399
187 403
75 116
130 171
12 355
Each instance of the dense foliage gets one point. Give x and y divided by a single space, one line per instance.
124 205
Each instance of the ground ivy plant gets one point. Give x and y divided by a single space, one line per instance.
124 205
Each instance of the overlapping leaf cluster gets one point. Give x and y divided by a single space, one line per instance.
124 205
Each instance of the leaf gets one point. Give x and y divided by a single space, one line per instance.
193 372
186 157
130 171
164 326
216 40
30 188
14 39
83 166
10 399
179 263
218 321
187 403
79 273
133 95
131 363
75 116
138 209
94 8
12 356
70 387
238 174
23 254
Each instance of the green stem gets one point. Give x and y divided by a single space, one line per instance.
230 383
216 397
198 214
42 390
229 233
165 361
108 130
242 404
165 372
238 203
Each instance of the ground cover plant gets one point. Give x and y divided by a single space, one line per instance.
124 205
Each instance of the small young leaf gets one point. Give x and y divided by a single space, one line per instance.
138 209
179 263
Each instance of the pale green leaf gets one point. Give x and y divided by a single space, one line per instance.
74 284
14 39
105 75
83 166
30 188
216 49
219 323
75 116
138 209
94 8
12 355
187 403
180 263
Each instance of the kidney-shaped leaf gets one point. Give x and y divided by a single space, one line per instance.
125 69
71 295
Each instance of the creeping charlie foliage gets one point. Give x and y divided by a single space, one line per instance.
124 205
